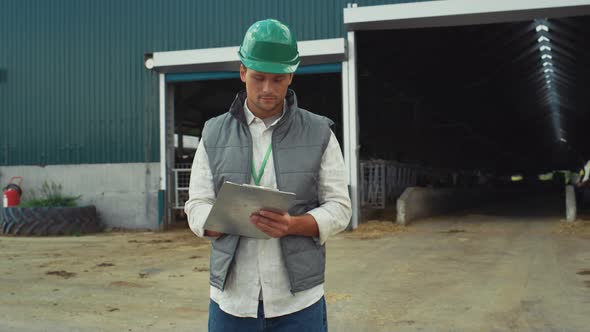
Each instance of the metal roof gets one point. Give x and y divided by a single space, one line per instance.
73 86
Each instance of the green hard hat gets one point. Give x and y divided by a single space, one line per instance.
269 46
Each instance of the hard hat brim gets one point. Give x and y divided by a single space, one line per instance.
267 67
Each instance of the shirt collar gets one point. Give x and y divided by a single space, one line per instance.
250 117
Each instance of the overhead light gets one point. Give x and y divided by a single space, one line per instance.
542 39
149 63
548 70
546 56
563 139
545 64
545 48
542 27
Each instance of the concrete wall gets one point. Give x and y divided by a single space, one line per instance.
417 202
125 195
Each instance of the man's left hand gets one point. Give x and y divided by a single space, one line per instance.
274 224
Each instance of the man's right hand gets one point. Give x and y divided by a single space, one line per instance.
212 233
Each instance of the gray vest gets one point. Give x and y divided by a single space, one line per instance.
299 141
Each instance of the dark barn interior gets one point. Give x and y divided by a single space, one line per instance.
501 104
481 97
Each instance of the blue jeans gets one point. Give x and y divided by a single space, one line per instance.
310 319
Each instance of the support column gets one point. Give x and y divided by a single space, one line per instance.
170 155
570 203
162 206
350 120
162 112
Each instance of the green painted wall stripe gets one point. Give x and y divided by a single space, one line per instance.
161 206
221 75
320 69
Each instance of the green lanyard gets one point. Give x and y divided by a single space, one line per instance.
258 176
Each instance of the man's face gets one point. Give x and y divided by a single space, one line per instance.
265 91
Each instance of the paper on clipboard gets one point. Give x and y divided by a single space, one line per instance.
235 203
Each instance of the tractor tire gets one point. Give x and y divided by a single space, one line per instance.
48 221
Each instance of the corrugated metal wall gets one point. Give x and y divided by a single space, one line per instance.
73 88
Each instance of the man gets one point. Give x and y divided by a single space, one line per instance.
266 139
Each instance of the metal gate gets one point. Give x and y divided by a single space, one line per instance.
383 181
182 175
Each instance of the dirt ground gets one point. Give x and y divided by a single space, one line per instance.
487 270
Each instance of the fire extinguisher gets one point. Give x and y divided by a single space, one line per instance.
12 192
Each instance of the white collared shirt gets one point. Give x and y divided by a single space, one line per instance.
258 270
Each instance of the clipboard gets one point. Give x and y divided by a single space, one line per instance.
236 202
